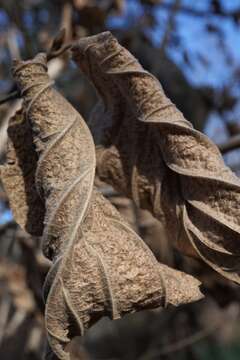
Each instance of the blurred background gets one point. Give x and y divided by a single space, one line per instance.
193 47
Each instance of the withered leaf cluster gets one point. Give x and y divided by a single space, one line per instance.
146 149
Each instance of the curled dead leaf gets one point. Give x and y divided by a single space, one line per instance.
148 151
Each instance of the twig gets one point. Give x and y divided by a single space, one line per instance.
6 226
181 344
51 54
13 45
171 24
231 144
4 313
199 13
15 322
66 21
12 96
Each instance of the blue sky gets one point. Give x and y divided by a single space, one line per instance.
197 42
194 38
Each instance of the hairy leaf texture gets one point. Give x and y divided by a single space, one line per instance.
100 266
146 149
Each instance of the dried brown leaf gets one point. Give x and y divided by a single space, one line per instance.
147 150
18 176
100 266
